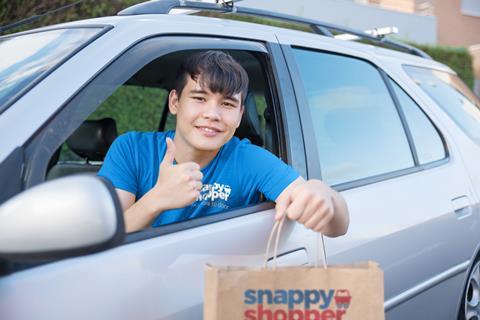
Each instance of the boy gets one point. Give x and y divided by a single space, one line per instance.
201 169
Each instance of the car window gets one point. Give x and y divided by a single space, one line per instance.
428 142
357 127
26 58
452 95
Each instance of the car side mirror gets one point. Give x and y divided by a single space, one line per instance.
65 217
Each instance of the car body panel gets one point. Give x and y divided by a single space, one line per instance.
161 277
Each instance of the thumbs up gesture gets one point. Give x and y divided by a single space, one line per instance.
178 185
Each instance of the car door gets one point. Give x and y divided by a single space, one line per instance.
408 194
156 273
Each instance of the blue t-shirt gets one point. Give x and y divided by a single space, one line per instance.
234 178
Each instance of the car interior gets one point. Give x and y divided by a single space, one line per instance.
85 149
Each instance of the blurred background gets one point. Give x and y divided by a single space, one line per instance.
448 30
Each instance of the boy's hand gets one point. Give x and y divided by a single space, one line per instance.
178 185
313 204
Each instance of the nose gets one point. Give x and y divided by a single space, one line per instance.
212 110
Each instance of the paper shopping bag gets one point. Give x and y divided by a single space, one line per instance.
294 293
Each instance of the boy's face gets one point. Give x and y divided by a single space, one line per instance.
205 120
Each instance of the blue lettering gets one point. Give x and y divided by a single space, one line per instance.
250 297
291 298
267 293
280 297
327 298
311 297
294 297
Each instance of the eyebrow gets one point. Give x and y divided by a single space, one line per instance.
198 91
205 92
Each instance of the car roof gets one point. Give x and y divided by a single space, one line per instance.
216 24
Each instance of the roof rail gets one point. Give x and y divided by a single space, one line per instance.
319 27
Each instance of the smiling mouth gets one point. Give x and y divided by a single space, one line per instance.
209 131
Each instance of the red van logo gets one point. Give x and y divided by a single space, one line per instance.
342 298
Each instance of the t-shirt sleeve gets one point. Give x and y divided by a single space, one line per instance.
119 164
270 174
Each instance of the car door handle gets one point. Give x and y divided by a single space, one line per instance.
297 257
462 207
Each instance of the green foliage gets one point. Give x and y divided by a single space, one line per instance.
15 10
133 108
458 59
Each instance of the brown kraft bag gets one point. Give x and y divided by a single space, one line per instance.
294 293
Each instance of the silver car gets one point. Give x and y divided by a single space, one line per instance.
396 132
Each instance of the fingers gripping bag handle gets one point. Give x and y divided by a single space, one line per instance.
277 228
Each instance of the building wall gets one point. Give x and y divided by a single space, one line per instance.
423 7
455 28
398 5
412 27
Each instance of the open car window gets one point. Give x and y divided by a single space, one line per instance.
131 95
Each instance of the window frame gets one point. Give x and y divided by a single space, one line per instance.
40 148
312 152
430 164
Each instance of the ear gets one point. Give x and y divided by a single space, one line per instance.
173 101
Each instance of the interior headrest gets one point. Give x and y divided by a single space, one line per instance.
250 125
93 138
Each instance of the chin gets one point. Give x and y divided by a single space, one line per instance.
207 144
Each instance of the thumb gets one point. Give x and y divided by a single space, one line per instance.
281 206
170 153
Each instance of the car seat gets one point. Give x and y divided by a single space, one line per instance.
91 142
250 125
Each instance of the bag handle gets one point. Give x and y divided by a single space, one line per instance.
277 227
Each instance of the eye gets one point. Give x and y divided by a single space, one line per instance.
198 98
229 104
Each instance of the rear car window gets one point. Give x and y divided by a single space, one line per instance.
452 95
25 59
358 130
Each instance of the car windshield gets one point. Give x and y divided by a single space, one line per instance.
452 95
25 58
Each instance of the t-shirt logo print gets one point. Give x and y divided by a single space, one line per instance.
212 192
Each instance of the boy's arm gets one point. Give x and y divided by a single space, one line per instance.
138 215
315 205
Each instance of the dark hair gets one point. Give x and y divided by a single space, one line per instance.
218 72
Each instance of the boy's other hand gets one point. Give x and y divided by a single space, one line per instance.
178 185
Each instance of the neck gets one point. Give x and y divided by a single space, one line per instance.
186 153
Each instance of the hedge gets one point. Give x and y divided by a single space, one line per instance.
15 10
459 59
